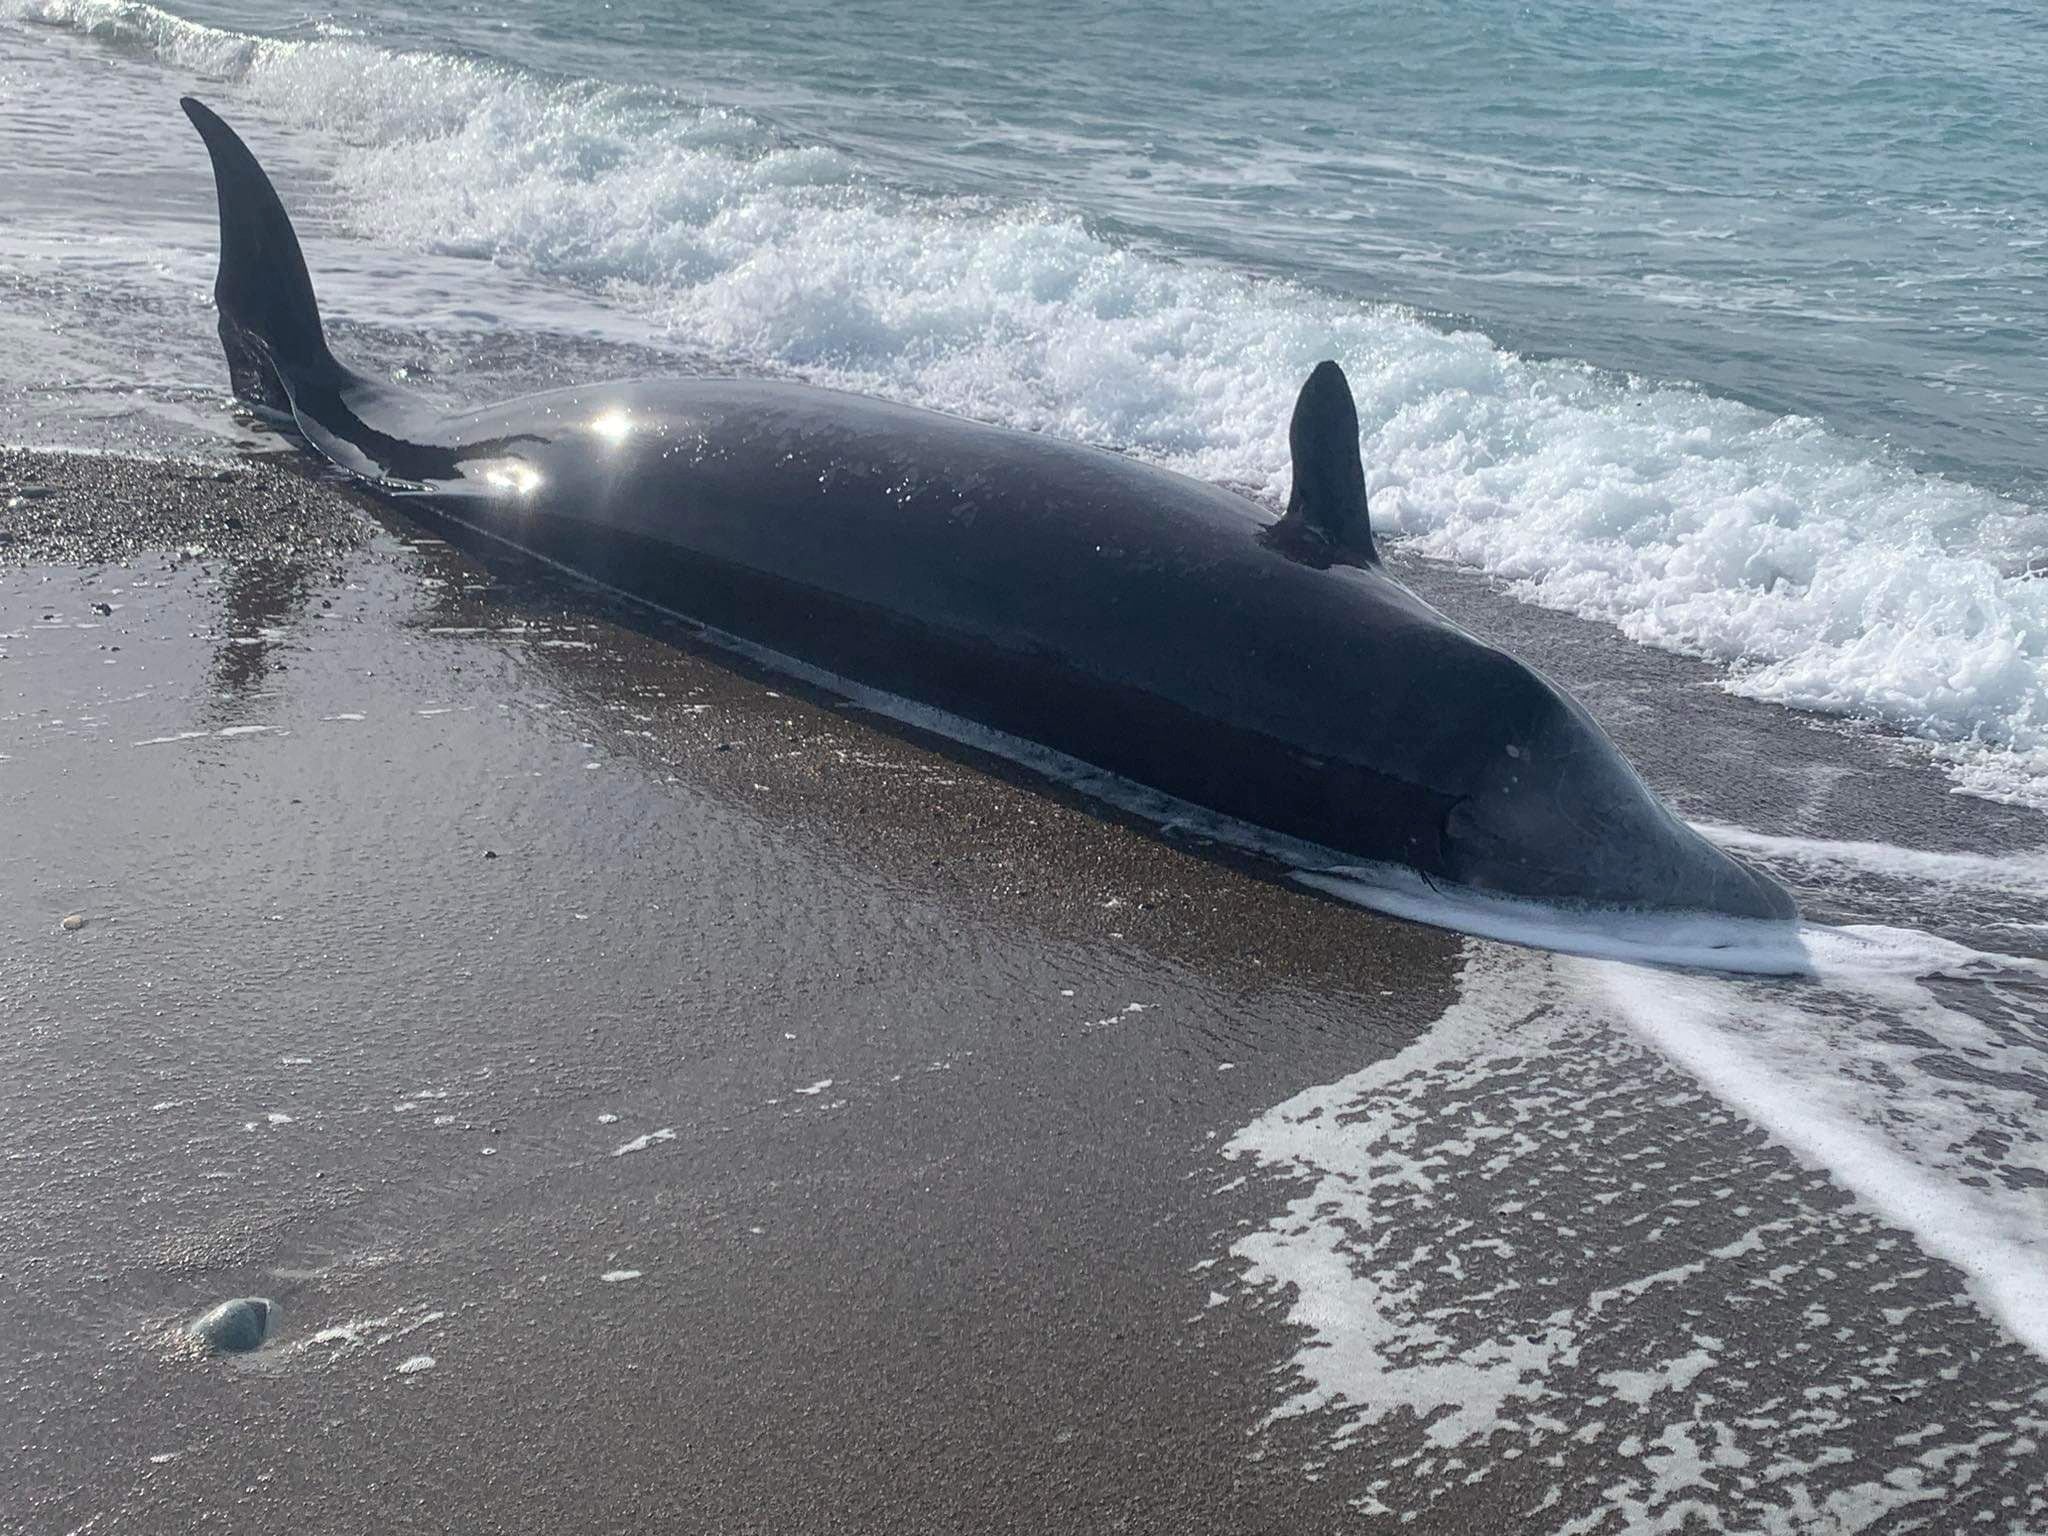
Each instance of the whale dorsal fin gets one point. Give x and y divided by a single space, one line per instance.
1326 521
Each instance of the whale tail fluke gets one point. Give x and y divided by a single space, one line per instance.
1326 519
269 321
278 359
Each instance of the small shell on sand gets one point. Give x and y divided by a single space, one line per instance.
74 922
234 1327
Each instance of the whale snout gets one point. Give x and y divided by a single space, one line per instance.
1557 815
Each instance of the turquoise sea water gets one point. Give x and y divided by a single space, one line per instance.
1840 216
1721 323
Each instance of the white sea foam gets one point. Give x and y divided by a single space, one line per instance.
1897 1095
1550 1228
642 1143
1817 569
2013 872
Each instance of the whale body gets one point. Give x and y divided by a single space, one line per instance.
1151 625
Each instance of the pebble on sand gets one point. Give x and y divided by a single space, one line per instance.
74 922
234 1327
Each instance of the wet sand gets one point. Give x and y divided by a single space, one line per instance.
764 1119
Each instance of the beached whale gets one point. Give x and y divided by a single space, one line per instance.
1147 624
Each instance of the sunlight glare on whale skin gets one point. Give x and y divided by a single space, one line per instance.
515 479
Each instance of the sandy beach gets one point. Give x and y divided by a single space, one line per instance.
657 1097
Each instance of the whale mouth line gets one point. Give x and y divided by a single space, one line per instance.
1691 940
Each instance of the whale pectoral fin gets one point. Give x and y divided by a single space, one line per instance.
1326 521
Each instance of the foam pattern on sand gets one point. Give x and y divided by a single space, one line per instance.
1556 1232
1817 568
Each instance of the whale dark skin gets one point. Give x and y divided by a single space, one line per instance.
1143 622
